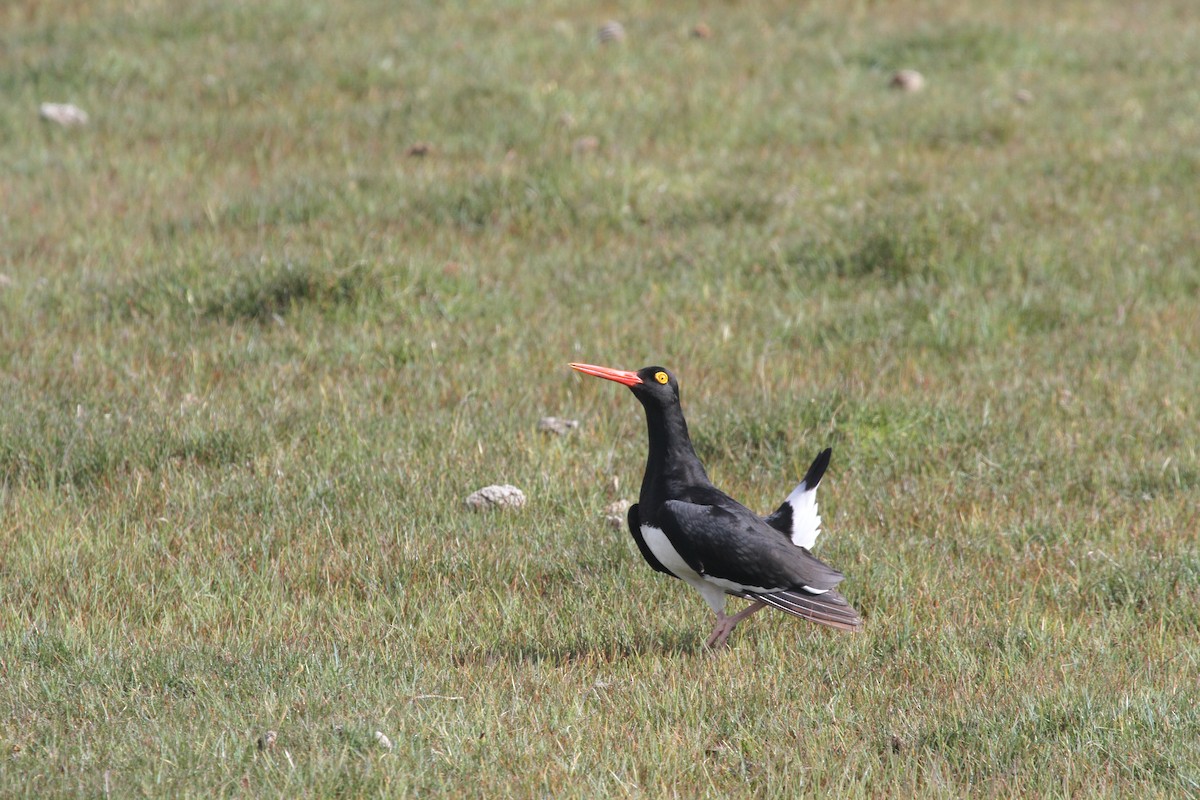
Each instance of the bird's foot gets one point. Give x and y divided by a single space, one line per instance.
720 632
726 624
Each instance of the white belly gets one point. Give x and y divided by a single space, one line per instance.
669 557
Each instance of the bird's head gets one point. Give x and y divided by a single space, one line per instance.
649 384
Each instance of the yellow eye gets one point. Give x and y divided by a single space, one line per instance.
661 377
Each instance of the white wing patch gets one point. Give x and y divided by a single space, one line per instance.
806 522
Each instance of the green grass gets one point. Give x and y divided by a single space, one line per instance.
254 354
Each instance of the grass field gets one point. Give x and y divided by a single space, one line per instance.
313 272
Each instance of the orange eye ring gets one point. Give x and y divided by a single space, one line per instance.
661 377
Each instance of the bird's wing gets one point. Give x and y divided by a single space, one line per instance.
733 548
635 528
797 516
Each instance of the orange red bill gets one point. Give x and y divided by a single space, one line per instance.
619 375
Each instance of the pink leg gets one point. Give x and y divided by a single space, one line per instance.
726 624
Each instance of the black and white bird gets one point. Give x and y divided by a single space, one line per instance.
687 528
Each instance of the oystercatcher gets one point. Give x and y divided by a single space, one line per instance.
687 528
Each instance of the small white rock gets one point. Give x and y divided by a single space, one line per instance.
500 496
615 513
557 425
64 114
383 740
611 31
908 80
585 145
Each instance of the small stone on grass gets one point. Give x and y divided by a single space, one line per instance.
611 31
558 425
908 80
499 496
615 512
64 114
585 145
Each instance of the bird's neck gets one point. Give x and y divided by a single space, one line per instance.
671 462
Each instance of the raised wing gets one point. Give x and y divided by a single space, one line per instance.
797 516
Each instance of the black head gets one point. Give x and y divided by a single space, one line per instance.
658 385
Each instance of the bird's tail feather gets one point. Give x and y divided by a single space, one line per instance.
827 608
